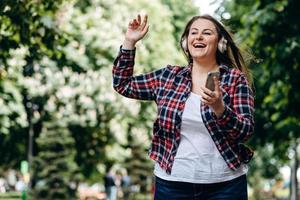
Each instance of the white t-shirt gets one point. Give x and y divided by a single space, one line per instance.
197 159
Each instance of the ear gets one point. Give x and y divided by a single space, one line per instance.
222 45
184 44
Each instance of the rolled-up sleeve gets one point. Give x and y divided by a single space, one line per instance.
137 87
239 117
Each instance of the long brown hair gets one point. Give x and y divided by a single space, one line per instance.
231 57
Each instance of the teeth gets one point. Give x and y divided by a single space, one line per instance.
199 45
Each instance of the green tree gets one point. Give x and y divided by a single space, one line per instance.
270 29
138 165
27 31
55 171
58 57
182 11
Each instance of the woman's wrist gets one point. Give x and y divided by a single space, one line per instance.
127 44
219 110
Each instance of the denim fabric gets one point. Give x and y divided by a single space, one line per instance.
235 189
111 193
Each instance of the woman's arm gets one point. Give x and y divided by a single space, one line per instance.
239 120
236 121
138 87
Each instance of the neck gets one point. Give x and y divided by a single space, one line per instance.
204 67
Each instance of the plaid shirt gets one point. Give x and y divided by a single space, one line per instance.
170 87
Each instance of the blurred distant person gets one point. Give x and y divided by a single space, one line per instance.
12 179
3 185
110 185
125 184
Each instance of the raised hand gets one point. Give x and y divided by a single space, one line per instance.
136 30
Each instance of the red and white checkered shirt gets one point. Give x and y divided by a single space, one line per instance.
170 87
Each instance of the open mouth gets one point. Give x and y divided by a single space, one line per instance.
199 45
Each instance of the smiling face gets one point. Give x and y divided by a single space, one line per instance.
202 40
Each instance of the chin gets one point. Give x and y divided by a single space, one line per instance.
199 56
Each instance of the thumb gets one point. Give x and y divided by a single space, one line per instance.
217 85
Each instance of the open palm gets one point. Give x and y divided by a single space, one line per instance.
137 29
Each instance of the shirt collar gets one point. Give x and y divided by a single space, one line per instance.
223 68
186 71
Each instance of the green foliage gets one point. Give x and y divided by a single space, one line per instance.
13 117
55 161
11 110
28 31
182 11
270 29
138 165
32 24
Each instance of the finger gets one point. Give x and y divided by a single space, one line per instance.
207 91
145 30
131 25
204 96
218 90
139 18
132 22
204 101
135 22
144 23
217 84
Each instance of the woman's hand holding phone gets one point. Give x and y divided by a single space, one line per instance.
212 94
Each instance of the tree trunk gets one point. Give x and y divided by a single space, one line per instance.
294 181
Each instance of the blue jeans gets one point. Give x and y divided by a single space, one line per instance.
111 193
235 189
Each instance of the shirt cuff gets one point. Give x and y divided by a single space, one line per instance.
125 57
225 117
122 50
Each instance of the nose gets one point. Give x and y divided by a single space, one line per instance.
199 37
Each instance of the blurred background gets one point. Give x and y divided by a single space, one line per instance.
64 132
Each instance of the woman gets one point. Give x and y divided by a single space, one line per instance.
199 133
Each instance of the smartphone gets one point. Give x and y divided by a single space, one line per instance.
210 84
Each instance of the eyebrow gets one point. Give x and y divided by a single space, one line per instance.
207 29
